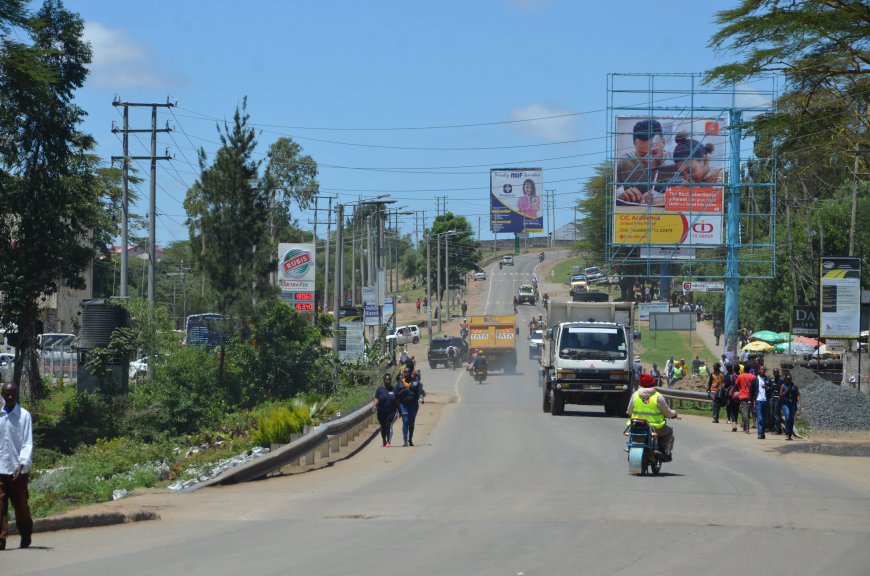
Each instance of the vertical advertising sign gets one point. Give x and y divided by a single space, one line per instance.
515 200
669 181
840 306
296 274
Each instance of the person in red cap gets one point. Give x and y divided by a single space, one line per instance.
646 403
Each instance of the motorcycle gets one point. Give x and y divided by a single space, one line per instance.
500 265
642 446
479 374
541 257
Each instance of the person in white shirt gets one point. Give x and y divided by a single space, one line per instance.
759 392
16 453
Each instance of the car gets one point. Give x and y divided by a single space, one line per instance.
536 343
438 350
507 260
578 281
409 334
594 275
7 367
479 275
138 367
527 294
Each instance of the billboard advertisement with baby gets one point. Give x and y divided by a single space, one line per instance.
515 200
669 181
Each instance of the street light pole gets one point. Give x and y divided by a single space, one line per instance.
428 289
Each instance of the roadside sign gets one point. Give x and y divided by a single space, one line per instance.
703 286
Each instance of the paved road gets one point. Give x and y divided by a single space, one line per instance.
497 487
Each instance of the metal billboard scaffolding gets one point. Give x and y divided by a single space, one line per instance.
686 197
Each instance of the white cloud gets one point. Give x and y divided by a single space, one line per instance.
750 97
551 129
120 61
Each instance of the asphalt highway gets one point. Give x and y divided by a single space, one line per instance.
497 487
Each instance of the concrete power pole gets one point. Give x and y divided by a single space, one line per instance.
339 240
152 203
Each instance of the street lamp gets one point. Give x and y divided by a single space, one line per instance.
437 279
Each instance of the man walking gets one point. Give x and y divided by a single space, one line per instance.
16 449
759 393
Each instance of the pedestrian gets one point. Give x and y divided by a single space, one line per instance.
775 424
679 370
403 357
717 330
732 404
790 400
386 407
744 395
636 369
409 394
759 393
715 385
418 305
669 371
16 457
426 301
656 374
696 365
464 308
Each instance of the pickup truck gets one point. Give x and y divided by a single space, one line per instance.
594 275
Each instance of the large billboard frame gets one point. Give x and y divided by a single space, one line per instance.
686 97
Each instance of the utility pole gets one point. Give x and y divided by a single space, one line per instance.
152 203
858 152
339 251
326 262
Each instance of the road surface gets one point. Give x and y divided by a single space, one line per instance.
497 487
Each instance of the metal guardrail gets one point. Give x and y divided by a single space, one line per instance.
322 441
692 395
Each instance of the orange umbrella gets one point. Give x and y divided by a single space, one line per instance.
806 340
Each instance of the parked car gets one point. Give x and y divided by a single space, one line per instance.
409 334
536 343
479 275
507 260
594 275
138 367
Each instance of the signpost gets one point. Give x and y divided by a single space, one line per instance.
703 286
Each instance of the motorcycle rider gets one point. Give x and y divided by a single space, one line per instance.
648 404
479 362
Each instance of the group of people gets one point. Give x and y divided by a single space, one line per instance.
399 396
746 389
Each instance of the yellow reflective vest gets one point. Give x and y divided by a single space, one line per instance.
648 411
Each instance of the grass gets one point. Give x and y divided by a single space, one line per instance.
564 270
670 343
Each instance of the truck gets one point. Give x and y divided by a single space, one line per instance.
587 356
496 336
527 294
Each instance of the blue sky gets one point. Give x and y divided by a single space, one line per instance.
409 98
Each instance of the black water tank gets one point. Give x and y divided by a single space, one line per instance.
99 320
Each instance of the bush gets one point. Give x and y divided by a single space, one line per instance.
182 398
276 426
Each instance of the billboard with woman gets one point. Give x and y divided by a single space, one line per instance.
515 200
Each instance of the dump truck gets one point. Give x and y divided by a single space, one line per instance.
587 355
497 337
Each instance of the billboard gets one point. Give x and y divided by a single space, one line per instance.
840 307
515 203
668 186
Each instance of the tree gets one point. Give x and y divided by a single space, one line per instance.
821 49
464 250
229 210
53 219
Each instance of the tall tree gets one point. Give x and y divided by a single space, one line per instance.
232 218
463 249
822 50
52 218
